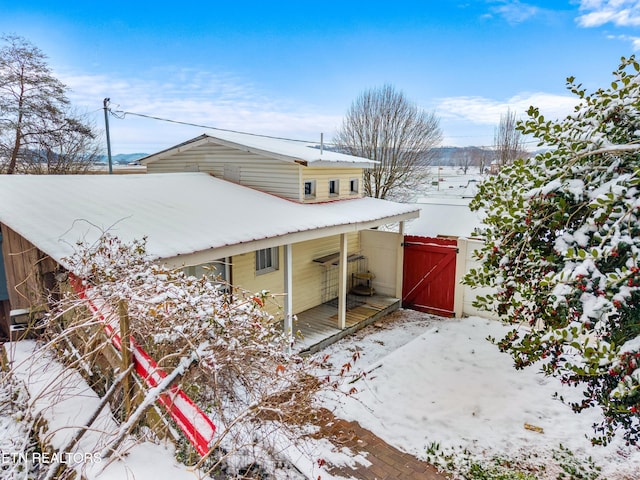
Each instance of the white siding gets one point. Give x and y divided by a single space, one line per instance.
269 175
381 249
322 176
308 276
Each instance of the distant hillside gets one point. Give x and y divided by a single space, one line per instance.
451 156
123 158
442 156
455 156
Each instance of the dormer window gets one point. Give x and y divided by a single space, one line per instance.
310 189
354 186
334 188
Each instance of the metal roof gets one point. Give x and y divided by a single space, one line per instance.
278 148
181 214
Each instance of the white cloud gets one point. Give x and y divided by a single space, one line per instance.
223 101
486 111
621 13
514 11
472 120
192 96
635 41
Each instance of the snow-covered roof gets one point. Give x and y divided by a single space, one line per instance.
281 149
444 216
180 214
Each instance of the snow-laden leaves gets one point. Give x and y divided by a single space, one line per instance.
562 242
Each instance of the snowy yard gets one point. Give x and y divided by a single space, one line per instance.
439 382
65 402
432 382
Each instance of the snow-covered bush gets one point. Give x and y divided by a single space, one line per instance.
18 439
231 357
562 244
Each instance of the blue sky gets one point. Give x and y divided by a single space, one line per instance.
293 68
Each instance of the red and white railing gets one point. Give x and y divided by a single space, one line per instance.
193 422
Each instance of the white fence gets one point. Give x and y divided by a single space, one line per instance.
465 295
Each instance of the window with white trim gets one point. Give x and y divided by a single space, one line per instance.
334 187
216 270
354 186
310 189
266 260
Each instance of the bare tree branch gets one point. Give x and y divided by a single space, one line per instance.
383 125
507 141
38 131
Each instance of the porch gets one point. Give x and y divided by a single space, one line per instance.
317 327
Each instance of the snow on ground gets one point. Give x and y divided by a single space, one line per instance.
440 381
444 207
430 381
444 216
66 402
449 182
306 453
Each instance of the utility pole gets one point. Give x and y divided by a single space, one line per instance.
106 126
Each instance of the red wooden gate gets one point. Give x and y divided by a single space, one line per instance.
429 274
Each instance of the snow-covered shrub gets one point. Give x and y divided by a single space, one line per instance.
232 357
562 245
461 464
18 440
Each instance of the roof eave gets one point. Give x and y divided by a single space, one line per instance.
340 164
204 256
182 147
206 139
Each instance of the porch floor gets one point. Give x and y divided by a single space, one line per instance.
317 327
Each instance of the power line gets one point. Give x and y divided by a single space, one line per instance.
121 114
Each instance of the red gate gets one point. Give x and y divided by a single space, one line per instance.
429 274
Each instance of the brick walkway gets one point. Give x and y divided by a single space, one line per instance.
384 462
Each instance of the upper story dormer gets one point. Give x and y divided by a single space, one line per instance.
294 170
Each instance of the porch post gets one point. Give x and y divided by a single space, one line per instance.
342 283
400 262
288 292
